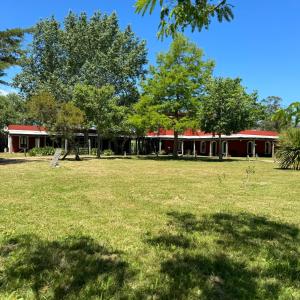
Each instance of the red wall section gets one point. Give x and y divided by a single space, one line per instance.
15 143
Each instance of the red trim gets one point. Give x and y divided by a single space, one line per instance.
26 127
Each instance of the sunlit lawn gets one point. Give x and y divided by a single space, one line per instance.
148 229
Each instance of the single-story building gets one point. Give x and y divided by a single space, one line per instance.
19 138
191 142
241 144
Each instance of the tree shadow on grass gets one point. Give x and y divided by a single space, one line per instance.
227 256
73 268
12 161
187 158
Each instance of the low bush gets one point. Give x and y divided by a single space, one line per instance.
288 153
108 152
41 151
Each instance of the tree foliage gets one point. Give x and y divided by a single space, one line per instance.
62 119
288 152
10 49
93 51
179 14
12 110
288 117
227 108
171 94
101 109
270 106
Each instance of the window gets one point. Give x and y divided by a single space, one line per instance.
203 147
23 142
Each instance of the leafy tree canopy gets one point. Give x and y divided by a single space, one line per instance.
92 51
179 14
269 107
171 94
10 49
287 117
62 119
227 108
12 110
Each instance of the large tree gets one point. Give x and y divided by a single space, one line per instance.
179 14
172 92
10 49
93 51
12 110
62 119
270 106
101 109
287 117
227 108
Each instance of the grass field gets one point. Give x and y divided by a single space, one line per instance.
148 229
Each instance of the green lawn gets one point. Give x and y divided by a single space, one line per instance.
148 229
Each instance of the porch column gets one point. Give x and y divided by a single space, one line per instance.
273 149
37 142
159 146
226 150
9 143
194 148
182 147
210 148
66 146
89 145
253 149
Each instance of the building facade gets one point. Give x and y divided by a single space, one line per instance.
245 143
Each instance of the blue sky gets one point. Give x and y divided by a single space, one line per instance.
261 45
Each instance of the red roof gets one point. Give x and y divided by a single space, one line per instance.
26 127
190 132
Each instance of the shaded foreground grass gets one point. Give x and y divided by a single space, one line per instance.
147 229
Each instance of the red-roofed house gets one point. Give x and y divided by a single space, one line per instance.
247 142
196 142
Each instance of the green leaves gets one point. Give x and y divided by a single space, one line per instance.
177 15
10 49
288 153
92 51
227 108
171 94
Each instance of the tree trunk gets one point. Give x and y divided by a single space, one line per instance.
137 146
66 154
175 145
76 148
123 144
98 145
220 147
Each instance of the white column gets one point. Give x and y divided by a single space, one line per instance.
273 149
182 148
210 148
159 146
9 143
194 149
37 142
89 145
226 151
66 145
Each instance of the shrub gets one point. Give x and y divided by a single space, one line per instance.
108 152
288 153
41 151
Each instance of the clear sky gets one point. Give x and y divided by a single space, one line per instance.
261 45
